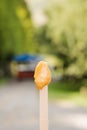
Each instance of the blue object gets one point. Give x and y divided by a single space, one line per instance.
26 58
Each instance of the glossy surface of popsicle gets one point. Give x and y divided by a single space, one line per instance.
42 75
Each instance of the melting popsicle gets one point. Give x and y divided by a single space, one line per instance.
42 79
42 75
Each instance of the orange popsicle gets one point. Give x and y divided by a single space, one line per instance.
42 75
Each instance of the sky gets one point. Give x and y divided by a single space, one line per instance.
37 8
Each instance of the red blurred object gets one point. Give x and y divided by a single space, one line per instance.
25 74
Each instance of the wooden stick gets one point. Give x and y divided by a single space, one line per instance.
44 108
42 79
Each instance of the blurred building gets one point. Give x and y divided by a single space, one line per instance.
23 66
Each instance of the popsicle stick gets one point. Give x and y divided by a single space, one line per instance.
42 79
44 108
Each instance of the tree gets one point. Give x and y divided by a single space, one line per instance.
42 40
16 29
66 27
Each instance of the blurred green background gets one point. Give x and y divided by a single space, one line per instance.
59 34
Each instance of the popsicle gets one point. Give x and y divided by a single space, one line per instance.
42 78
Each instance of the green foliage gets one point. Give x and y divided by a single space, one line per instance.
68 85
67 29
16 32
43 40
16 28
62 91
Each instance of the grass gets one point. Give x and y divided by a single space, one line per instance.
71 91
3 80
